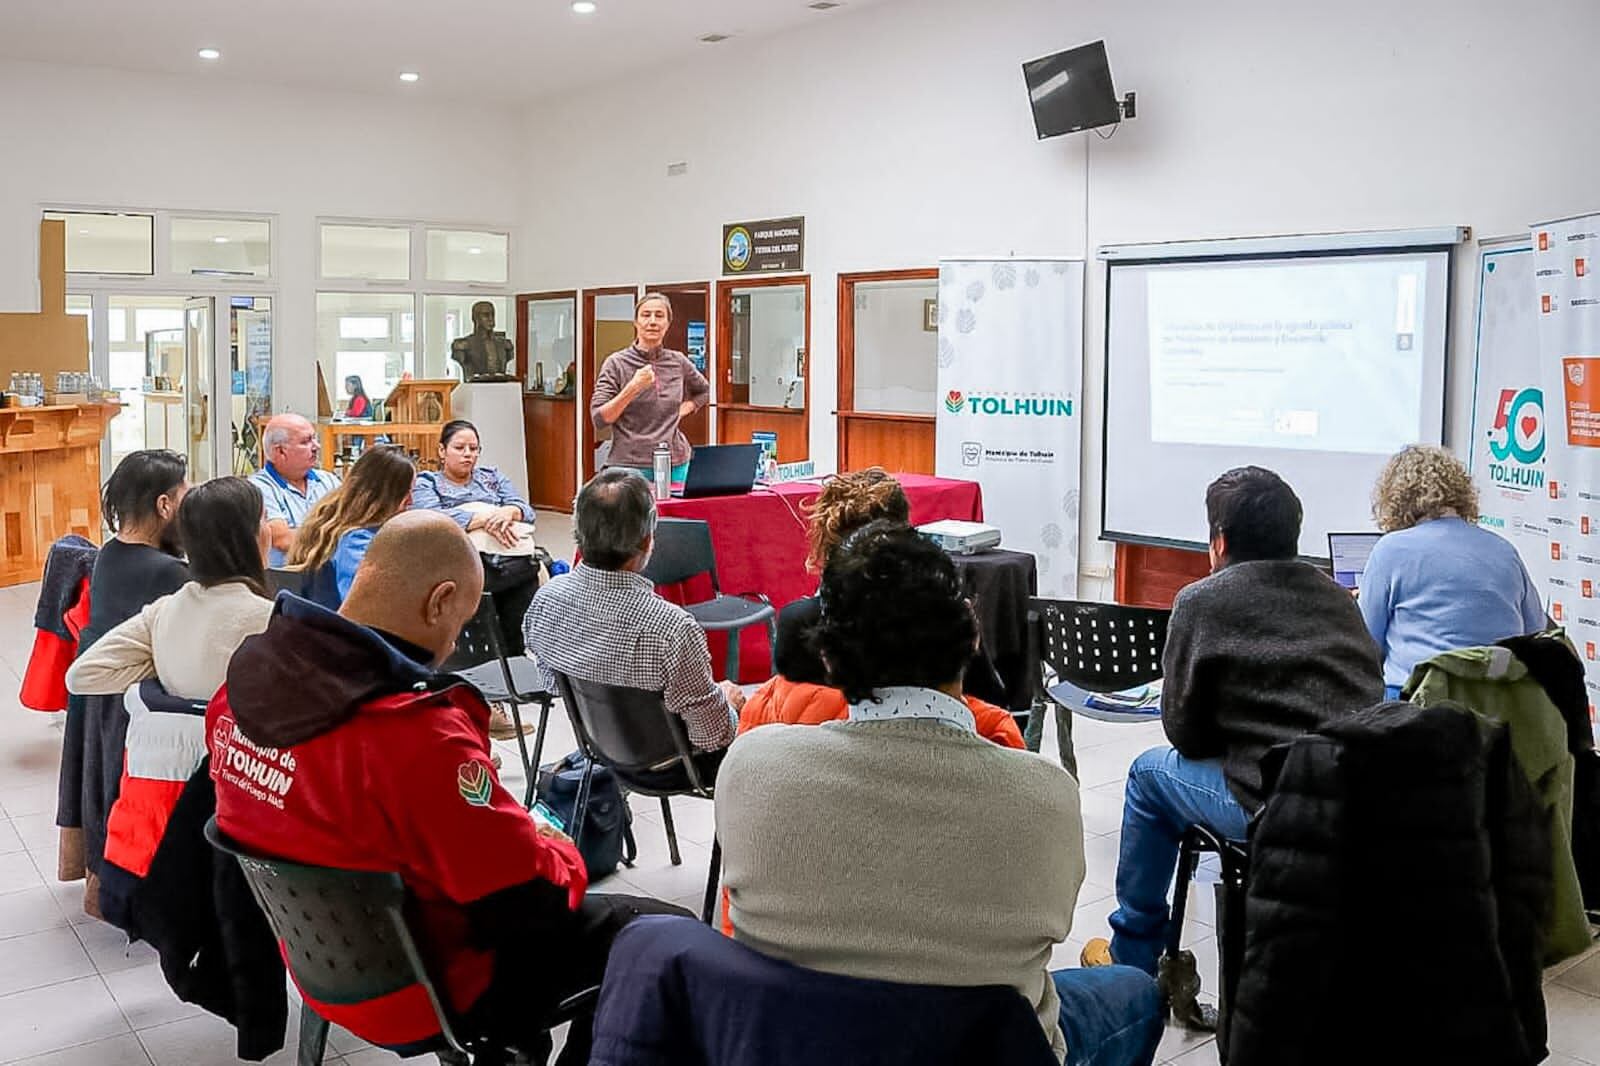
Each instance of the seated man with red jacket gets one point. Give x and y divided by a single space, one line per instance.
334 743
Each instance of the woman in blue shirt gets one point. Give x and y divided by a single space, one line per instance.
1436 581
335 536
480 497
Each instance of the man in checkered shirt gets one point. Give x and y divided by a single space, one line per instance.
604 622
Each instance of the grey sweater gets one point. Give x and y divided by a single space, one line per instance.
1258 654
902 851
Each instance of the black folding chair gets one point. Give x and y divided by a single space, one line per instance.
480 657
683 551
282 579
1231 890
631 731
347 940
1084 648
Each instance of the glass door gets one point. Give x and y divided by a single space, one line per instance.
250 374
199 360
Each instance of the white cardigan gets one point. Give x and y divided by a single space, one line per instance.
184 639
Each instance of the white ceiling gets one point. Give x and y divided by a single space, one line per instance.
495 51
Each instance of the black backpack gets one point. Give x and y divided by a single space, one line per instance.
608 826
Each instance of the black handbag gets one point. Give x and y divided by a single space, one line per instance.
607 827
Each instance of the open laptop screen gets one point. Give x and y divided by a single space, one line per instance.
1348 552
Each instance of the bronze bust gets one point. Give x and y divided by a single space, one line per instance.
484 354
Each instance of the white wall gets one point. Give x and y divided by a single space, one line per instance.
902 133
101 137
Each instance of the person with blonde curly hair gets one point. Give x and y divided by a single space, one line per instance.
1437 581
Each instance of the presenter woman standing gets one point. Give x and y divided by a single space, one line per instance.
645 390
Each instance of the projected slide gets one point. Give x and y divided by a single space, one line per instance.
1303 355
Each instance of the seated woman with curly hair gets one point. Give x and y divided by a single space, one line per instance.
1436 581
801 694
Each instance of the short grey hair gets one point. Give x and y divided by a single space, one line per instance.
612 516
274 437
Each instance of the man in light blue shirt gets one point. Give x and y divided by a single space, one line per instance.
290 483
1436 581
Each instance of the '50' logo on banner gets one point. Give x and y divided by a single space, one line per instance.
1518 430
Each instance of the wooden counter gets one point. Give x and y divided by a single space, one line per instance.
49 482
550 425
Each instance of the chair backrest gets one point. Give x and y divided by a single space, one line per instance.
682 550
344 931
1101 647
627 729
480 640
281 579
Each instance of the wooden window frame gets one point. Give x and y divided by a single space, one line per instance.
588 370
724 351
847 352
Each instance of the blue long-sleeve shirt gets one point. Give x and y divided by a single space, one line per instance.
435 492
1442 585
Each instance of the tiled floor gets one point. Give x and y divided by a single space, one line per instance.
72 993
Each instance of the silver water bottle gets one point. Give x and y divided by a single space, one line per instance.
663 472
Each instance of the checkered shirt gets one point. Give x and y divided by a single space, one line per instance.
610 627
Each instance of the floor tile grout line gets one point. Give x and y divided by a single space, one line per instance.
70 1047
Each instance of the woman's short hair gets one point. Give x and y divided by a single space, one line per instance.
375 490
220 523
143 477
647 297
893 613
1421 482
612 516
1257 512
454 426
848 502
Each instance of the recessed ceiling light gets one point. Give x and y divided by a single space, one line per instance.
209 53
474 251
219 240
713 38
583 7
83 233
409 75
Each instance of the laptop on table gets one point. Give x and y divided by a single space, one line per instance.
1348 554
720 470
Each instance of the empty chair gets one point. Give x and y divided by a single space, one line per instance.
631 731
683 551
480 657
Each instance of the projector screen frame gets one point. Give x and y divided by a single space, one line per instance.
1290 250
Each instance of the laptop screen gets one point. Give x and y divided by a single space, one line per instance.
1348 552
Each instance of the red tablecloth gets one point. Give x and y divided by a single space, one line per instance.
760 541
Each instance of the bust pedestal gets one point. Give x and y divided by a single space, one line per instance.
495 407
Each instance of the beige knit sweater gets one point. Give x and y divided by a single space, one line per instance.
902 851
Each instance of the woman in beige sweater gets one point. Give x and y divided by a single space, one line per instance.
186 639
899 845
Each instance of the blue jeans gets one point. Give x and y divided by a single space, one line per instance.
1166 794
1110 1016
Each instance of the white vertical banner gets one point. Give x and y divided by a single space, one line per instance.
1507 458
1566 257
1010 414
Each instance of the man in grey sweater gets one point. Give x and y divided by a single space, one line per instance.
1265 649
881 846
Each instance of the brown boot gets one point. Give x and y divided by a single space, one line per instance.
501 727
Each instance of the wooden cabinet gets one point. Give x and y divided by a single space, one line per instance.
1152 577
902 443
551 431
49 482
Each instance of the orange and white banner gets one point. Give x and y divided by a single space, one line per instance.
1568 294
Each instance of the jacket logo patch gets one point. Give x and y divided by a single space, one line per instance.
474 783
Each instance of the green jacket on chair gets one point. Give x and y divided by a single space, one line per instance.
1496 685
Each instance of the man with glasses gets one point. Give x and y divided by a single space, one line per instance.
290 483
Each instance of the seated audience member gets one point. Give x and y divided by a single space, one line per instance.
378 763
477 498
799 694
184 641
602 621
869 847
335 536
290 482
1265 649
1436 582
139 564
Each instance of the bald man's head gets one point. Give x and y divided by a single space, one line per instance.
420 580
291 444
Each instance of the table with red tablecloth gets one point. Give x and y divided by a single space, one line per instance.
760 544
